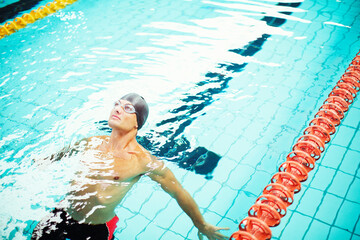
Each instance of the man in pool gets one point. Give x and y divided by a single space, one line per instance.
111 165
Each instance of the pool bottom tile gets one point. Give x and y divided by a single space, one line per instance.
337 233
343 135
318 230
355 142
348 215
322 178
329 202
310 201
351 163
333 156
340 184
294 230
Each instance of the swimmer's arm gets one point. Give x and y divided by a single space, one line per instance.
171 185
164 176
66 151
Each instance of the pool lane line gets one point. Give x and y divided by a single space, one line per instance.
18 23
12 10
271 206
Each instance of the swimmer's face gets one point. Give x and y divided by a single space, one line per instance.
123 116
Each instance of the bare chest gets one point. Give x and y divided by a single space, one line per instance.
120 167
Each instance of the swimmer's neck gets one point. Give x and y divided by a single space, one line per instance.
122 141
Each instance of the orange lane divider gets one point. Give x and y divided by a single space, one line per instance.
271 206
20 22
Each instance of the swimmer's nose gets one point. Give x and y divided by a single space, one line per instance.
119 109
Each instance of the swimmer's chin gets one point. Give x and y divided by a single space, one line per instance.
113 122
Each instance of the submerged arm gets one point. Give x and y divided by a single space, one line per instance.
66 151
171 185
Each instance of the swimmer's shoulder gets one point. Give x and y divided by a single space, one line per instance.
91 142
100 137
97 139
149 161
142 154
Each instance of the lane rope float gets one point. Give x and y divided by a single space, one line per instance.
271 206
18 23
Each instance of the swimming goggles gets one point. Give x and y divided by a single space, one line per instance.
127 107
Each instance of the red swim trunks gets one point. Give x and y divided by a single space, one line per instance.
59 225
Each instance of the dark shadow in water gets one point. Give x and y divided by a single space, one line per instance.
12 10
170 144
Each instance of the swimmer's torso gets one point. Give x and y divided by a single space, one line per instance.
102 182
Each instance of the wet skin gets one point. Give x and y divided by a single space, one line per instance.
105 179
111 165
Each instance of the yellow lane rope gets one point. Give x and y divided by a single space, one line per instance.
20 22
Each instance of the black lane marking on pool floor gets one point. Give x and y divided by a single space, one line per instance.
12 10
171 144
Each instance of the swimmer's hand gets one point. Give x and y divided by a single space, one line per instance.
211 232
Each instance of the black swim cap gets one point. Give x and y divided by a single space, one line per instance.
141 107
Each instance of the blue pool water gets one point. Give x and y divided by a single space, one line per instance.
241 79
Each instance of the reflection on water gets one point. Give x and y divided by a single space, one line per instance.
55 89
166 139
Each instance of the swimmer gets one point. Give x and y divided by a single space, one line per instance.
111 165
